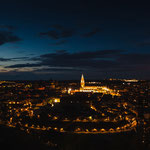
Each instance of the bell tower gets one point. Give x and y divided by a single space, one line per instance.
82 81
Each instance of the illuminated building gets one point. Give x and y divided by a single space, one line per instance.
54 100
93 89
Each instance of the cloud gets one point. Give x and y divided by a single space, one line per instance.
23 65
7 27
101 62
62 58
144 43
8 37
135 58
58 32
20 58
14 59
4 59
66 33
61 51
85 55
54 34
91 33
56 69
60 42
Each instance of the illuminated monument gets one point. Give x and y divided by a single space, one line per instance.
93 89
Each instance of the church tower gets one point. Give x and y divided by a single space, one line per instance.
82 81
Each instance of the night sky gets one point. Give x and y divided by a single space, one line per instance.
60 39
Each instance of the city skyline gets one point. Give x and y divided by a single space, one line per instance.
62 39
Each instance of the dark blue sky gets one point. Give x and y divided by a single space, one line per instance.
62 39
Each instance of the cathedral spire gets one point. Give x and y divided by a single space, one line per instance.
82 81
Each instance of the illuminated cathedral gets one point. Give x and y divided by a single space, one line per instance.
93 89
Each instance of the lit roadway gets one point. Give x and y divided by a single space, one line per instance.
132 123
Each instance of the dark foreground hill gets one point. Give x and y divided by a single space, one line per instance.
15 139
